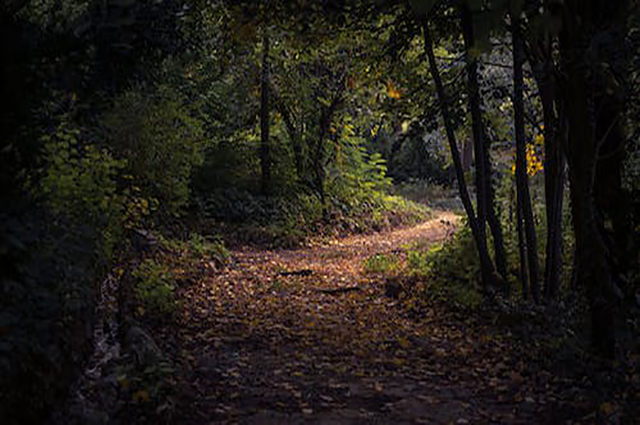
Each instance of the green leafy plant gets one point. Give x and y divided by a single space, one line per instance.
78 181
154 287
204 247
418 263
161 140
381 263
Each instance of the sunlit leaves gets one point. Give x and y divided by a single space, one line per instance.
392 91
535 163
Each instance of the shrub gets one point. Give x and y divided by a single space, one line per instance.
154 287
454 270
78 181
203 247
161 140
381 263
418 263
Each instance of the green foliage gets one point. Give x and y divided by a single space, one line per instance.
154 287
381 264
418 263
450 271
214 249
161 140
79 182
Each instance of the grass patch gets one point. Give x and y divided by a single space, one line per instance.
381 264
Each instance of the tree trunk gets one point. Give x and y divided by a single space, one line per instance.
541 60
265 154
522 182
522 252
295 137
553 177
326 116
493 219
467 155
592 268
486 265
484 189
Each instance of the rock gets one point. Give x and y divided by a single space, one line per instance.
144 241
142 346
393 288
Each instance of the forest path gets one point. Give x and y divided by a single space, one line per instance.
269 348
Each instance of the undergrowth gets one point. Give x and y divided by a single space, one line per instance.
289 221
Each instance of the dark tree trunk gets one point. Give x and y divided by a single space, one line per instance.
467 155
612 200
522 183
593 270
540 58
493 219
265 154
554 133
484 189
486 265
319 172
295 137
522 252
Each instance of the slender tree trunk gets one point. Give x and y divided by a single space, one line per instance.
467 155
522 252
553 181
265 154
493 219
554 132
486 265
484 189
295 137
522 183
473 95
326 116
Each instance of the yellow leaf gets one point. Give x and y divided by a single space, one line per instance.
398 362
140 395
607 408
392 91
404 343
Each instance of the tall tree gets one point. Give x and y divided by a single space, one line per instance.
540 56
265 148
522 182
585 85
484 190
486 265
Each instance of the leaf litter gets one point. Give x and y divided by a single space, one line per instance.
307 336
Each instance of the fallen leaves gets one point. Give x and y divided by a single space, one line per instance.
279 343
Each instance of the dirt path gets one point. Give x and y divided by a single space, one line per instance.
264 347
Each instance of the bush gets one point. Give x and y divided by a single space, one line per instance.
161 140
451 270
78 182
154 287
203 247
381 263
